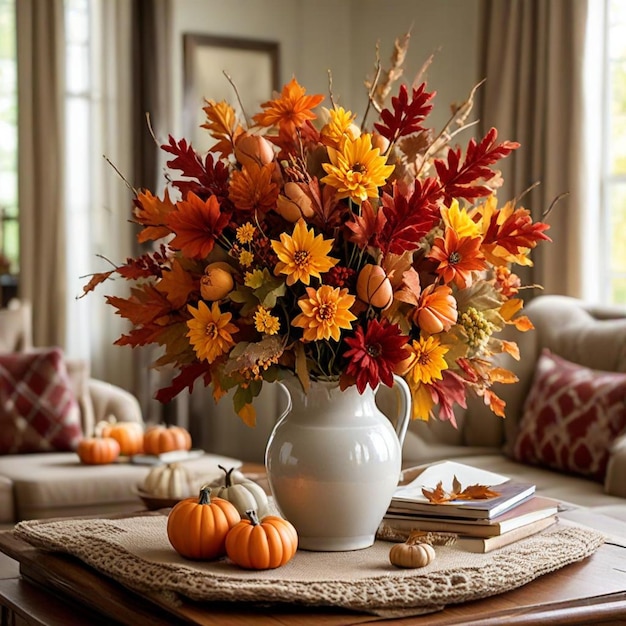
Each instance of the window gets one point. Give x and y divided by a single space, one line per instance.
613 159
9 226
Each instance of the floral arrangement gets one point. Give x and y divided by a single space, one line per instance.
304 243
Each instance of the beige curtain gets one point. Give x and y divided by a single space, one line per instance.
41 93
533 64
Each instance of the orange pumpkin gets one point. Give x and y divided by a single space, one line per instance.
98 450
128 434
264 544
159 439
197 527
374 287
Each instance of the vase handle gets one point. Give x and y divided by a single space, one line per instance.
403 394
288 404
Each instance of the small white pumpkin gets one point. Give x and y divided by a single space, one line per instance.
243 493
172 480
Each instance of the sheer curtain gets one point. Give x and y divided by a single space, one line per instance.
533 61
41 93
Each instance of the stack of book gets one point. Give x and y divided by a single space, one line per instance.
481 524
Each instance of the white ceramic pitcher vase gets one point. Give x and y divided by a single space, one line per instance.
333 462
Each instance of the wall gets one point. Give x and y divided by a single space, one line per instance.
340 35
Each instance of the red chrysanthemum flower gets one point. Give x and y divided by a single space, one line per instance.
375 354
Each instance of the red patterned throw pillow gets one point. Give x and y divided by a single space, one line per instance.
38 410
571 417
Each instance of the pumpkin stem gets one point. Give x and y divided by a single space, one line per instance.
228 481
205 495
253 516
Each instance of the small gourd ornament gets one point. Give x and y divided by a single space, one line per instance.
261 544
172 480
414 552
244 494
197 527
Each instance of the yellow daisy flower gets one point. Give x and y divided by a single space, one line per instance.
265 322
210 331
245 233
460 220
340 125
428 361
356 169
245 258
325 312
302 255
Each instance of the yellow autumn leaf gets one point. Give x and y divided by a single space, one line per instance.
510 308
248 414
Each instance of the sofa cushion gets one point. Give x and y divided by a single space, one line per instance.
38 409
571 417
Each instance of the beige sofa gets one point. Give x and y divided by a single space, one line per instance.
591 336
56 484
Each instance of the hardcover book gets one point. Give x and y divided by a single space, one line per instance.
410 498
487 544
531 510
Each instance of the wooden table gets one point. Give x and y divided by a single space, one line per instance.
57 589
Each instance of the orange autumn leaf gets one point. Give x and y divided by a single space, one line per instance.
152 212
501 375
523 324
510 308
477 492
510 347
197 224
95 280
252 189
177 284
495 403
222 125
437 495
144 305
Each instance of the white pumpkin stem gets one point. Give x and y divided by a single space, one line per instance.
228 481
253 516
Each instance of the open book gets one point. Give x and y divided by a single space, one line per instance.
410 499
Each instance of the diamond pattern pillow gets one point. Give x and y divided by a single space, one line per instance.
571 417
38 410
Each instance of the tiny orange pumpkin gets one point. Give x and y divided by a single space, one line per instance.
197 527
159 439
98 450
128 434
264 544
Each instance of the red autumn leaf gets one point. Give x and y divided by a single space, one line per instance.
185 380
450 390
516 233
202 178
407 116
197 224
366 227
408 219
462 178
328 211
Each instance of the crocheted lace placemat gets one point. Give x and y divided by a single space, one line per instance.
136 552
